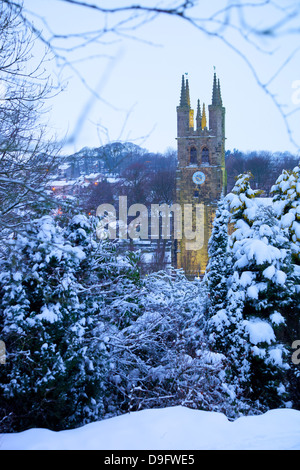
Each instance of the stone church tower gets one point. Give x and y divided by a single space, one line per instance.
201 174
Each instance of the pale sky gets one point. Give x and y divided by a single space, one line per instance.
139 79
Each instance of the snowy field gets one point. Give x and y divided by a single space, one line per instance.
173 428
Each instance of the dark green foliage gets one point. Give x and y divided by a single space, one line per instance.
58 286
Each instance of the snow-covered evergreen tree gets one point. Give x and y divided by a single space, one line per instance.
149 352
217 274
263 265
260 293
49 376
108 275
286 202
58 287
242 205
224 322
164 357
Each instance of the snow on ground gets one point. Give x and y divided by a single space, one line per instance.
173 428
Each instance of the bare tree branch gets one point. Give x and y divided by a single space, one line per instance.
253 21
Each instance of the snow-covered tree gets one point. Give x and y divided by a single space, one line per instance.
109 274
238 209
147 352
286 203
261 292
242 205
53 322
263 265
163 358
217 273
26 161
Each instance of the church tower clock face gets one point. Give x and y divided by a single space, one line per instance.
198 177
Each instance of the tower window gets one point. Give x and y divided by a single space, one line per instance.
205 156
193 156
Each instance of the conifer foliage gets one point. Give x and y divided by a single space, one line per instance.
286 203
88 338
218 266
55 292
217 274
252 328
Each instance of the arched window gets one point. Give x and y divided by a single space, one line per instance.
205 156
193 156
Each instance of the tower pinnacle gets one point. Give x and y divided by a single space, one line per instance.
183 94
188 93
219 93
203 119
216 93
198 116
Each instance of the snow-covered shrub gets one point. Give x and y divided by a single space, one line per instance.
250 329
58 286
162 358
217 274
286 203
